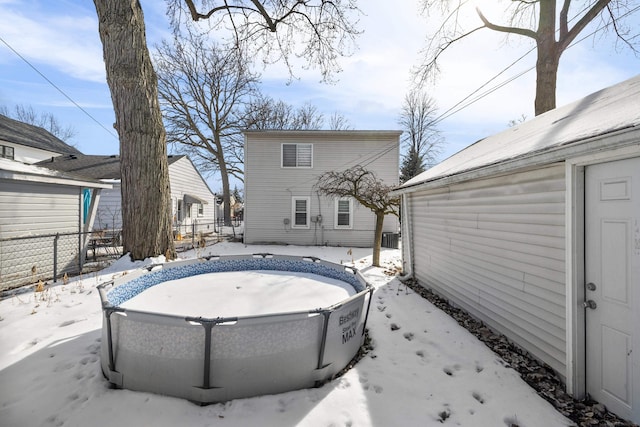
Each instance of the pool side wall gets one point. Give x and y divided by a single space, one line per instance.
215 360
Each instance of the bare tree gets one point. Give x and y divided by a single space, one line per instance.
308 117
421 138
264 112
338 122
368 190
46 121
327 31
203 89
319 31
146 216
552 31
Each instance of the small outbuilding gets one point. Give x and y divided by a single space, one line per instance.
536 232
44 222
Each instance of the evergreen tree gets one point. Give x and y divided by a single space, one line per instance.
412 165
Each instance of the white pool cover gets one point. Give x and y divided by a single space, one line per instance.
211 356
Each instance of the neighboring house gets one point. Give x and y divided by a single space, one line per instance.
29 144
526 228
192 202
36 201
281 169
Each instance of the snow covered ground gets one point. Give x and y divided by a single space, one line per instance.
424 370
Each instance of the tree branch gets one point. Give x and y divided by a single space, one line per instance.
565 41
196 16
265 15
503 29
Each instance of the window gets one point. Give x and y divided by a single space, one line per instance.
200 209
343 213
179 210
297 155
300 212
6 152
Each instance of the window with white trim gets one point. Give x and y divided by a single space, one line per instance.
300 212
6 152
297 155
343 213
200 209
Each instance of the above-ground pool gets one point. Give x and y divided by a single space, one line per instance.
210 355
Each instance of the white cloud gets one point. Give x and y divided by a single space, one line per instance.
69 43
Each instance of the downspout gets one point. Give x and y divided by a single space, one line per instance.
407 243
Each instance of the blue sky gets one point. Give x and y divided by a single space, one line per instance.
60 39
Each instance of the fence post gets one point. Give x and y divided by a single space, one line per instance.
193 234
55 257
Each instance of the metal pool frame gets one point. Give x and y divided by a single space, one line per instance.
208 360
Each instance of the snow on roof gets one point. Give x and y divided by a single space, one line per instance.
611 109
11 169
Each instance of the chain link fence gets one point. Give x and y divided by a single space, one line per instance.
29 259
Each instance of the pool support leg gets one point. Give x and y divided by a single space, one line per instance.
206 394
325 327
114 377
366 316
206 371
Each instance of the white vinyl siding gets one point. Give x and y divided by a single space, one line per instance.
32 209
185 179
297 155
109 214
269 188
496 247
343 213
300 212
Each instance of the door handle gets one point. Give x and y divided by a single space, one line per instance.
590 304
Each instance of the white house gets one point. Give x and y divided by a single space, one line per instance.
29 144
35 201
281 169
536 232
192 201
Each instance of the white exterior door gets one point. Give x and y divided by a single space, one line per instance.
612 276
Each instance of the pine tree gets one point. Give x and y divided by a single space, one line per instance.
412 165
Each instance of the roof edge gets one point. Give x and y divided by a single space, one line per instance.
626 138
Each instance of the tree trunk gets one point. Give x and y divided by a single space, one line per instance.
146 216
546 78
226 193
377 241
548 58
